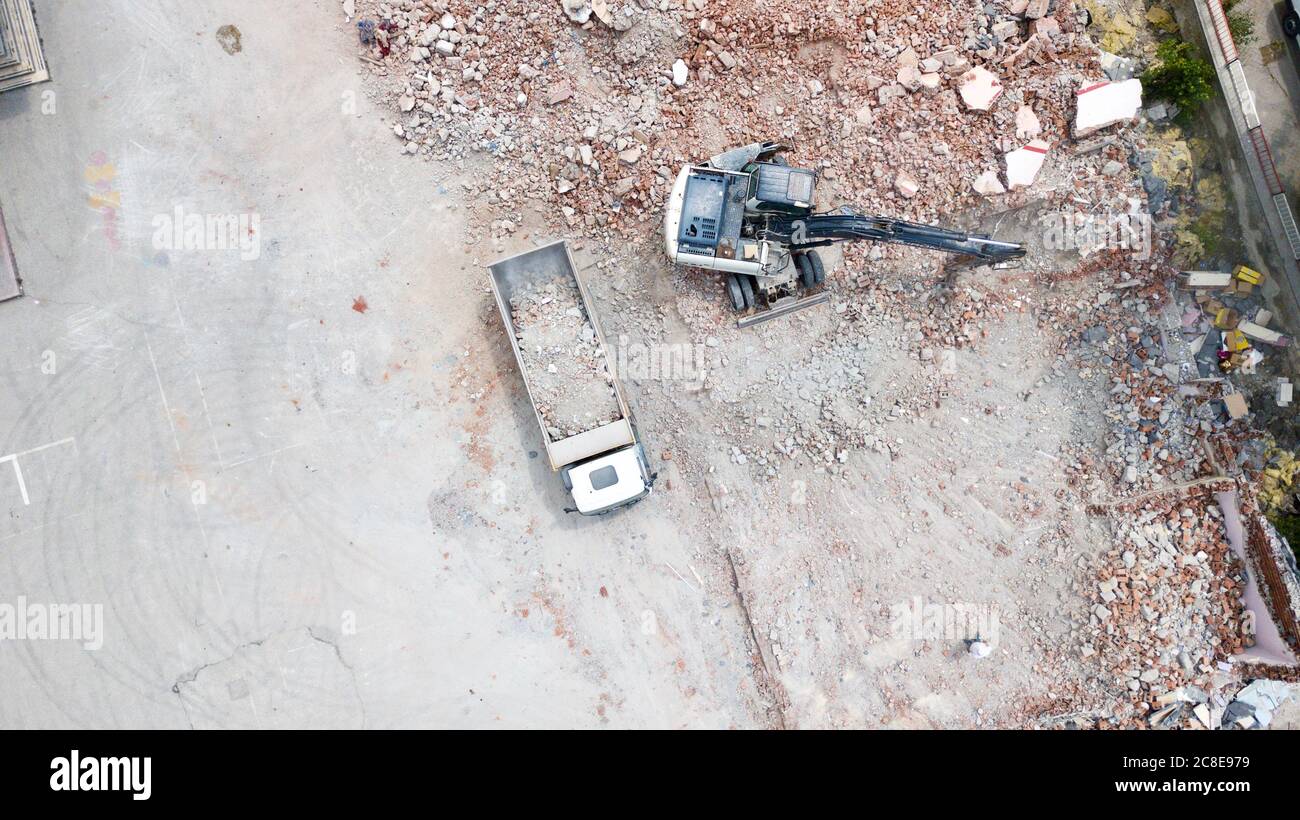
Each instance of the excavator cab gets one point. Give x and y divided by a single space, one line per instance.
776 188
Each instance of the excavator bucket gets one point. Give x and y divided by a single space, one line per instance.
784 307
738 158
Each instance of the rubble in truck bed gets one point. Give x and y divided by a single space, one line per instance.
567 371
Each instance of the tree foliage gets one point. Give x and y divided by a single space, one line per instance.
1179 76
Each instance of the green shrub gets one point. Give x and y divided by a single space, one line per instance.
1288 526
1241 25
1179 77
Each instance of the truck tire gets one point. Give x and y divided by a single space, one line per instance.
819 270
807 276
737 295
747 289
1291 24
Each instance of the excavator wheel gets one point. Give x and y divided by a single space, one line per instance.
734 291
806 273
747 289
819 270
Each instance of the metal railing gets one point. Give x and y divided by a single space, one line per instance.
1222 30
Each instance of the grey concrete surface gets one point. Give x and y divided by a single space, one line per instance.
293 513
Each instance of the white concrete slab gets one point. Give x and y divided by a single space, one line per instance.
1103 104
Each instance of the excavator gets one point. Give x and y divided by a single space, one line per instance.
749 214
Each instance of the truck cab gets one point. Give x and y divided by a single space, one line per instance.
605 483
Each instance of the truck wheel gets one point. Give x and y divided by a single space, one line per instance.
737 295
819 270
806 273
747 289
1291 24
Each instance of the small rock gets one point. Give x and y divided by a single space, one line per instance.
680 73
906 185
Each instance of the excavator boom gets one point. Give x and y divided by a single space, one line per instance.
823 229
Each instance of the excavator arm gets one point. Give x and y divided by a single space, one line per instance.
845 226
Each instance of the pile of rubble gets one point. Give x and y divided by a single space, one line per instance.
568 374
1167 616
596 116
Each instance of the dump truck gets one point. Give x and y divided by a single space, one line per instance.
748 214
600 457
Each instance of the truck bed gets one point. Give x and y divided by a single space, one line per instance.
519 274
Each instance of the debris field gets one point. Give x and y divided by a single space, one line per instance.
936 432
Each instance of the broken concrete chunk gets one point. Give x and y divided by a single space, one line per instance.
680 73
906 185
909 77
1116 68
579 11
1047 27
1024 163
558 93
1027 124
1100 105
979 88
988 184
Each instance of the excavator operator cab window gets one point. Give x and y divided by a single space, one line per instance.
780 189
